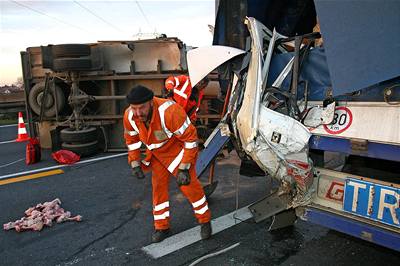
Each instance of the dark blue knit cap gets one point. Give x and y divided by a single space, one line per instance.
139 94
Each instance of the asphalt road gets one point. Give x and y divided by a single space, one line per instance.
117 220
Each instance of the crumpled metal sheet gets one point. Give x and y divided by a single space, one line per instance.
281 146
248 114
276 142
319 115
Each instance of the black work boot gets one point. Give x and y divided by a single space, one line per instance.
159 235
206 230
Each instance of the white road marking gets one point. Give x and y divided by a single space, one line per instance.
12 125
62 165
8 141
14 162
190 236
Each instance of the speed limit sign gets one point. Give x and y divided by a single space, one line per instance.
342 120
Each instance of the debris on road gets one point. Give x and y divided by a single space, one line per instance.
40 215
65 157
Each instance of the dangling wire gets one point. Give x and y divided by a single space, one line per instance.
214 254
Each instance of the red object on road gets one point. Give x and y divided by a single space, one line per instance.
22 134
33 151
65 157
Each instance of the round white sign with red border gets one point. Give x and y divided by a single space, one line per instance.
341 121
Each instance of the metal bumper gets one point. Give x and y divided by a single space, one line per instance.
359 229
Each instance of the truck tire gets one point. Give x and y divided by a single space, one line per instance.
70 135
84 149
70 50
72 64
35 99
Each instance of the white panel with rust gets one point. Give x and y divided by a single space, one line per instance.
372 121
117 56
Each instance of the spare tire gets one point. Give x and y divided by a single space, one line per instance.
70 50
35 99
70 135
72 64
84 149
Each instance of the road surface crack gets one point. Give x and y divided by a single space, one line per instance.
82 249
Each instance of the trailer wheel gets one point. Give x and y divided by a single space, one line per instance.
84 149
70 135
70 50
72 64
35 99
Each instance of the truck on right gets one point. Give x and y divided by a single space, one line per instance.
313 102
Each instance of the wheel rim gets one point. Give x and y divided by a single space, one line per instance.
49 100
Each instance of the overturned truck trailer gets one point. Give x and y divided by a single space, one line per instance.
314 86
75 93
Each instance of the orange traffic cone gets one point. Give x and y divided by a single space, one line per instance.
22 135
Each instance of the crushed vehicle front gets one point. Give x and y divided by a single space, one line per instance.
265 133
294 100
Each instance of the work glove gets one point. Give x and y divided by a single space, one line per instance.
137 172
183 177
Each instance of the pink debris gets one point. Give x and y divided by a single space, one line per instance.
42 215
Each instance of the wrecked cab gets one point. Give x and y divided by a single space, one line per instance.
294 99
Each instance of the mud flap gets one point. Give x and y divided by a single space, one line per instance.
210 188
283 219
269 206
250 168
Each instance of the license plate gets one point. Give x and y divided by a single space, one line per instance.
372 201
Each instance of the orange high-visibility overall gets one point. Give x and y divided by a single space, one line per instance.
171 142
181 87
193 105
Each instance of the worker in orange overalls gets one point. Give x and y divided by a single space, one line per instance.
181 91
171 142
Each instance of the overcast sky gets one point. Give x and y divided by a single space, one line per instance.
34 23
